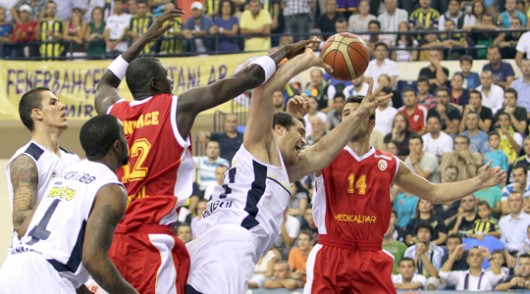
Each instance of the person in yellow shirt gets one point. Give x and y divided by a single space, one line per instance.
256 21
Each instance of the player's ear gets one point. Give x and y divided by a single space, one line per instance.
154 85
278 129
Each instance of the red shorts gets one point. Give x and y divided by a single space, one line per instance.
332 269
152 259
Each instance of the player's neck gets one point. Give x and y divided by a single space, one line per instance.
360 147
50 140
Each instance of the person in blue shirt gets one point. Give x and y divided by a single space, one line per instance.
497 156
511 11
471 78
502 71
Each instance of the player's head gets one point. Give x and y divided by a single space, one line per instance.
524 265
40 105
407 268
519 174
147 76
475 258
280 270
494 139
483 209
290 135
102 139
350 107
184 232
424 232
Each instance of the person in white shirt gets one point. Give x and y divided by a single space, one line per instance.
423 163
381 64
475 278
116 29
384 115
391 18
453 12
313 111
523 46
492 95
358 87
408 279
436 141
219 179
514 226
206 165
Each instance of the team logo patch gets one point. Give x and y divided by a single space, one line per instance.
382 165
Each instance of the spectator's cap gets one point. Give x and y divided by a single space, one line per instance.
26 8
196 5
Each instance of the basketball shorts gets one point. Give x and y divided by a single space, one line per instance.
28 273
152 259
223 259
338 270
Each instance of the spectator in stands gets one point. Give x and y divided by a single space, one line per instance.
320 89
497 156
224 26
264 268
492 95
299 254
392 148
326 22
400 134
408 279
374 37
521 280
459 256
219 180
280 277
525 159
463 158
38 9
116 30
381 64
497 258
514 227
184 232
474 18
384 115
453 42
485 113
483 36
416 114
132 7
341 25
425 215
297 18
436 141
421 162
404 41
471 78
507 41
448 211
25 32
519 184
6 30
510 12
523 47
465 221
75 29
358 23
511 141
391 245
140 23
424 96
95 34
522 86
334 116
51 30
358 87
485 225
318 130
278 101
201 207
502 71
313 112
425 17
196 29
206 165
289 232
448 113
405 206
473 279
392 18
435 72
308 223
458 94
453 13
517 114
427 255
230 140
299 200
384 82
429 41
477 138
172 39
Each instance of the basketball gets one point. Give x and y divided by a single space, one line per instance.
347 54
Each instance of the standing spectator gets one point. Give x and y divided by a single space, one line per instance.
463 158
523 47
424 96
416 114
458 95
521 280
502 71
421 162
116 30
358 87
382 65
95 34
495 155
229 141
424 18
510 12
225 26
171 42
453 13
507 41
25 32
391 245
408 279
140 23
514 225
477 138
429 41
449 114
38 9
298 255
6 30
334 116
66 7
471 78
400 134
297 18
256 21
404 40
392 17
436 141
384 115
511 141
326 22
492 95
75 29
197 27
50 30
482 35
435 72
517 114
522 86
358 23
206 165
280 277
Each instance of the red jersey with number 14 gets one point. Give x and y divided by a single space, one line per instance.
159 173
352 201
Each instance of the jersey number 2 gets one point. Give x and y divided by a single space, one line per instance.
39 232
139 150
359 183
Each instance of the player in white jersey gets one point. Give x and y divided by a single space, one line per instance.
70 230
244 214
35 164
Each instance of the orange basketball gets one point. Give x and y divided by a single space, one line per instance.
347 54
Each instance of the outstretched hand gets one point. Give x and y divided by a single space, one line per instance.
298 105
491 176
372 100
158 28
299 47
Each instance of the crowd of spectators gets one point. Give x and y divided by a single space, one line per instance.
102 29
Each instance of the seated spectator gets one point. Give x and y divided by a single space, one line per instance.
435 141
477 138
424 96
206 165
326 21
334 116
298 255
308 223
453 13
458 95
358 23
492 196
229 140
264 268
384 115
219 180
391 245
497 259
521 280
400 134
511 141
299 199
6 29
408 279
405 206
425 215
427 255
430 41
449 114
481 35
519 185
318 130
280 277
341 25
463 158
75 30
404 41
392 17
201 207
375 36
517 114
382 65
502 71
416 114
473 279
384 82
278 101
421 162
465 222
289 232
459 256
95 34
521 85
116 29
514 227
508 41
184 232
25 32
485 225
320 89
313 112
511 12
224 27
471 78
525 159
196 29
484 112
358 87
454 42
392 148
435 72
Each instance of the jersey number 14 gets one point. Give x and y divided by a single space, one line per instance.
358 183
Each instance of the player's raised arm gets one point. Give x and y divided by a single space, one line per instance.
446 192
107 89
109 206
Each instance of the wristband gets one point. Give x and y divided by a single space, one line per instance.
221 30
118 67
267 64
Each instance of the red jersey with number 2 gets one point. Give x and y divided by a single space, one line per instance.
159 175
352 200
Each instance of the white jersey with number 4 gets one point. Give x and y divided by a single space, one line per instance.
57 229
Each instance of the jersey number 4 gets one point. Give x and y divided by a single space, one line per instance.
139 151
358 183
39 232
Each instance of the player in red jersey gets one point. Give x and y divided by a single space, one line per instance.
352 211
159 176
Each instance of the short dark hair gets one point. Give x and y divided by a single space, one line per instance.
475 92
357 99
376 22
210 140
493 133
502 113
466 58
422 79
416 136
284 119
423 225
340 19
407 259
524 255
495 47
454 236
232 6
442 88
512 91
339 95
463 137
98 135
306 232
409 89
378 44
140 72
29 101
436 116
483 202
520 166
387 90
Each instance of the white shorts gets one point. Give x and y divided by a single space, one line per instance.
30 272
223 259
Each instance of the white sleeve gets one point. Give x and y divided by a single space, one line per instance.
393 70
518 139
521 44
331 92
292 226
